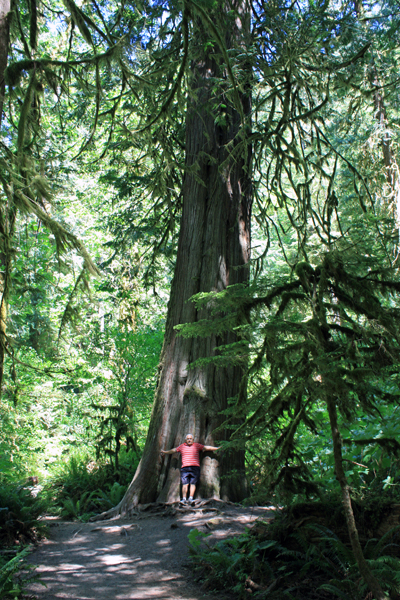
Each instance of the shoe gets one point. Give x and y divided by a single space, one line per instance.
191 501
183 501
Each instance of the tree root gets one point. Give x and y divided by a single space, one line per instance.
164 508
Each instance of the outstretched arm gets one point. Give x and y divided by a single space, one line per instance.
211 448
162 452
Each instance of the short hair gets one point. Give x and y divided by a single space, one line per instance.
189 434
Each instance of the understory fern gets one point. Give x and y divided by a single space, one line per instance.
311 563
15 575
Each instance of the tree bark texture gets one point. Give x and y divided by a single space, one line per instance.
213 252
388 151
5 7
389 155
364 569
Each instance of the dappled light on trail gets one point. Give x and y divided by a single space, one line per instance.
129 560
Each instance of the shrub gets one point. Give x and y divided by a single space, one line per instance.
19 514
83 487
15 575
298 557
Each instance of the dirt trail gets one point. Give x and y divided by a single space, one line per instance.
137 559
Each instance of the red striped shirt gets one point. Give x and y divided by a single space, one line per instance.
190 454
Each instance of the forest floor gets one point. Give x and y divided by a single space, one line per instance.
140 558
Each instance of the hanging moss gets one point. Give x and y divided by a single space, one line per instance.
14 71
79 20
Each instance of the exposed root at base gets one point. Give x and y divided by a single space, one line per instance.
111 514
164 508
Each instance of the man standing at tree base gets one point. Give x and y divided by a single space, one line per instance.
190 468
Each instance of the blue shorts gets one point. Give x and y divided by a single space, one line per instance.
190 475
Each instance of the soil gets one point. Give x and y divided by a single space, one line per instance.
140 558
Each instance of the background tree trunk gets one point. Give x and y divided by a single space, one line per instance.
388 149
4 41
213 252
389 154
5 8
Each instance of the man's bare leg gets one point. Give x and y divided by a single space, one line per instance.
192 493
185 490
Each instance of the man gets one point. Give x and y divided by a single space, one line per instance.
190 468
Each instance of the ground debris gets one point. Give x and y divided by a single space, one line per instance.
213 523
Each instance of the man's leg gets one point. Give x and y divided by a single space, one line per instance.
194 480
185 489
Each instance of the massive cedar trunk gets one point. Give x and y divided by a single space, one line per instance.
213 252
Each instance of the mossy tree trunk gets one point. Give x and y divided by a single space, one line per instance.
380 113
213 252
322 349
389 154
5 7
363 567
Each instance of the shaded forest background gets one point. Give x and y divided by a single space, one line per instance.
94 128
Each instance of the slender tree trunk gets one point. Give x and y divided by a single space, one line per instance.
4 262
4 41
5 267
213 252
364 569
369 578
389 156
388 151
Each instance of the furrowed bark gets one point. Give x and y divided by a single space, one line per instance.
213 252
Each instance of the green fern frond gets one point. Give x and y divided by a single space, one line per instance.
7 571
346 591
374 551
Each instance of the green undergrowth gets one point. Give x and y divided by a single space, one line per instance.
19 514
82 488
77 489
16 574
20 527
303 553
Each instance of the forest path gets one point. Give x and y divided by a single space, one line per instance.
142 558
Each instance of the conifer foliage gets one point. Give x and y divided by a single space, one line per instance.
201 118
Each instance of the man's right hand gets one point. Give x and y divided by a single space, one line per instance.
163 452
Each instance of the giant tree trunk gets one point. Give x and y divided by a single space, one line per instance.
213 252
